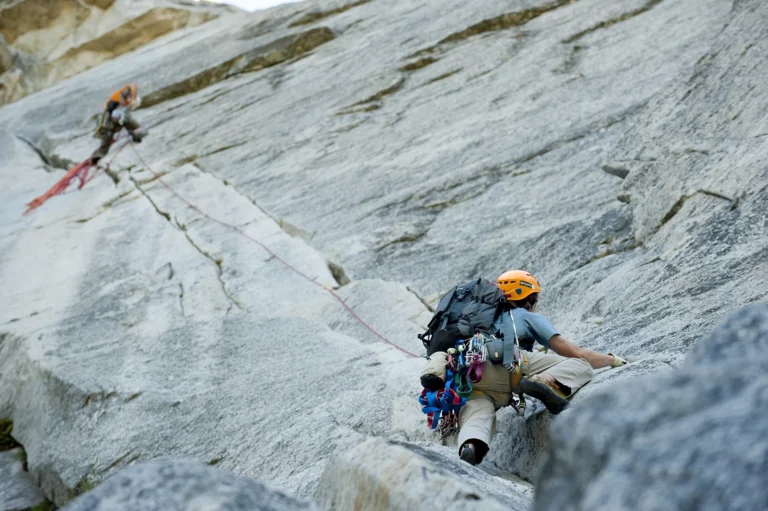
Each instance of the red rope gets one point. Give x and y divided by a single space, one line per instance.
87 179
79 171
270 252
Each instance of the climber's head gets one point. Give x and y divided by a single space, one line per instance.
131 95
520 288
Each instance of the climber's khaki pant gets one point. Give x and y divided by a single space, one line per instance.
107 133
478 417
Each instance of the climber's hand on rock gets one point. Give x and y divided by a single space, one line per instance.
617 360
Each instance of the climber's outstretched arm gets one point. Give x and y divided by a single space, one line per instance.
565 348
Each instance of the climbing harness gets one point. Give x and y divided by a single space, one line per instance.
463 369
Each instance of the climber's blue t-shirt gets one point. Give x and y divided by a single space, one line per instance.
530 326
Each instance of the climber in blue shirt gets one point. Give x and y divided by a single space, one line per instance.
550 377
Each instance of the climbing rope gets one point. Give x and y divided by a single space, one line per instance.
79 171
270 252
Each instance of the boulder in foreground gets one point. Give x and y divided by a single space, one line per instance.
694 438
165 485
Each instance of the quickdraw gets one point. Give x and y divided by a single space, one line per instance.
464 368
442 407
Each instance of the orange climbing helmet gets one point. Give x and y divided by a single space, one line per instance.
125 96
518 284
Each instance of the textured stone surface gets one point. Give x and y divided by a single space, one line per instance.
379 475
689 439
180 486
17 489
396 148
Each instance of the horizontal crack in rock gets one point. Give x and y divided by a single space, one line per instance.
224 148
443 76
276 52
503 22
418 64
382 93
677 206
613 21
312 17
614 250
406 238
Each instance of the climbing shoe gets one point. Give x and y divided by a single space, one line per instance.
552 397
468 454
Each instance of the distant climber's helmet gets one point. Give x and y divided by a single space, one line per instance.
517 284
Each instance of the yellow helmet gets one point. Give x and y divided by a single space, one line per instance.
517 284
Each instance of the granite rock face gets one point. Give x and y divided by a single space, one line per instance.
387 150
400 476
689 439
178 485
45 41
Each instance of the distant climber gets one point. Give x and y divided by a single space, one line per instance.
503 369
116 116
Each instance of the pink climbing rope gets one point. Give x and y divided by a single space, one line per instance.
270 252
79 171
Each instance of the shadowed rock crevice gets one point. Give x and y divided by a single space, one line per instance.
51 160
17 488
272 54
36 149
382 93
339 273
613 21
504 22
7 442
418 64
373 102
442 76
615 171
314 16
678 205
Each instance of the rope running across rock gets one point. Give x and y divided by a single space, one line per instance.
270 252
